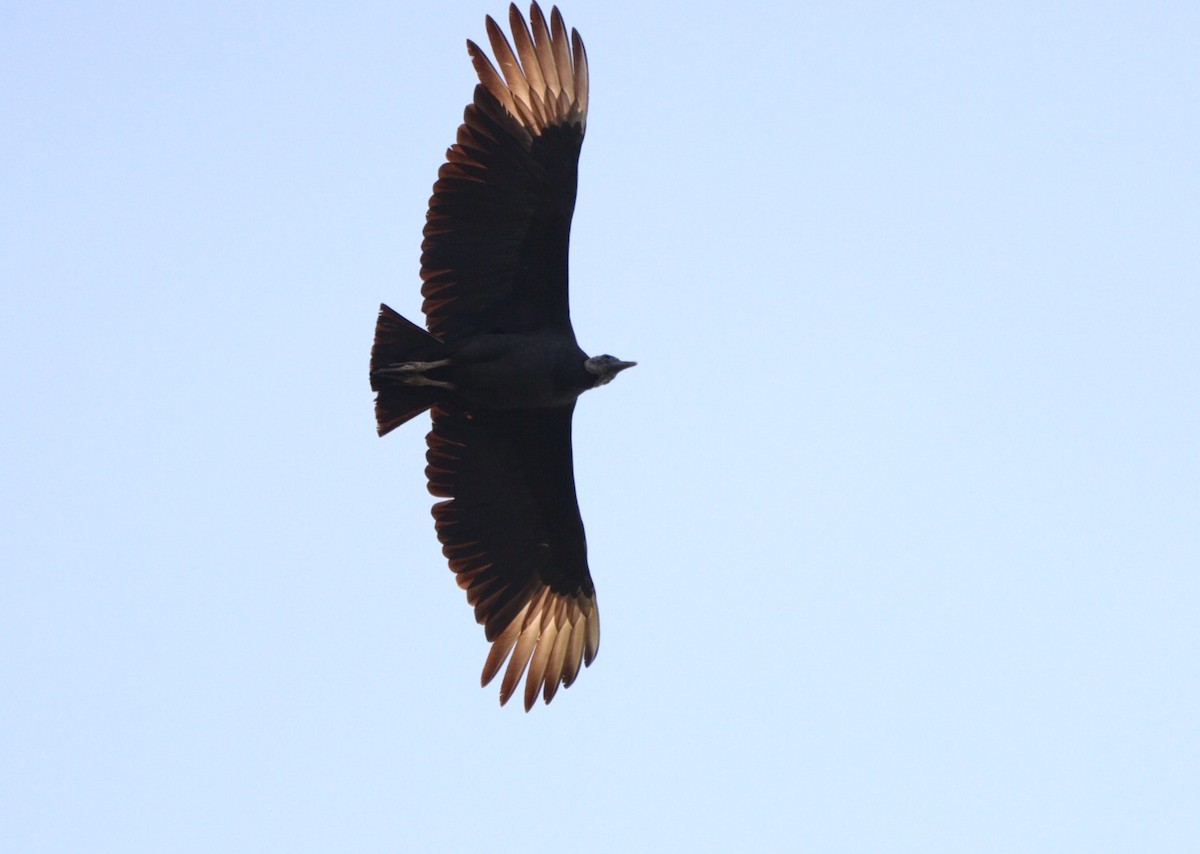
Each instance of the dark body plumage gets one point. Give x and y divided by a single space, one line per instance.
499 364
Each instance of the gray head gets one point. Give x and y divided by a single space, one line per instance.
605 367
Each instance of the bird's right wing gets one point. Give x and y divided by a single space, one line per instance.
494 257
512 533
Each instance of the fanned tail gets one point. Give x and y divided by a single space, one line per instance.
401 394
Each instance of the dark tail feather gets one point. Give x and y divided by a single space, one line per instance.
398 340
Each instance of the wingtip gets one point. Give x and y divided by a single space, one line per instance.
540 82
545 645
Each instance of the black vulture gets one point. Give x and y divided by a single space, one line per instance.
499 365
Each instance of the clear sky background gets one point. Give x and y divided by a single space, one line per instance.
895 528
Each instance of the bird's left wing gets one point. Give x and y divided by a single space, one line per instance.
494 257
512 533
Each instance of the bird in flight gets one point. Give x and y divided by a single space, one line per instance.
499 365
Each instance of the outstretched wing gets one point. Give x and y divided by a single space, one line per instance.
494 257
512 533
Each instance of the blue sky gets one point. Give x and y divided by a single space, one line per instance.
894 528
